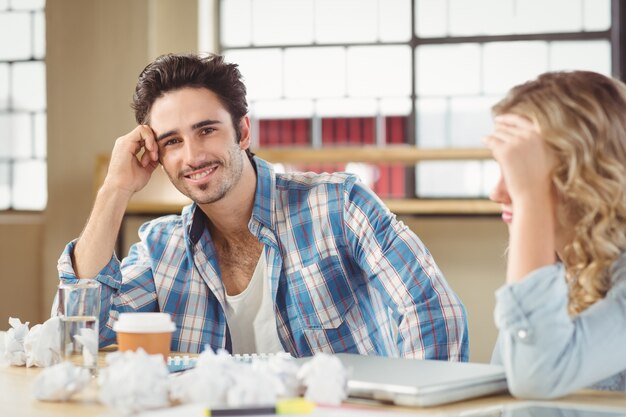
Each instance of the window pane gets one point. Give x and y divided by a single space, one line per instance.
261 69
537 16
315 72
581 55
431 18
596 14
395 20
370 75
39 34
432 123
395 106
29 86
468 17
300 95
507 64
22 105
470 120
491 176
236 22
29 185
448 69
346 107
15 36
282 22
4 86
346 21
21 135
41 135
6 144
449 179
5 186
273 109
28 4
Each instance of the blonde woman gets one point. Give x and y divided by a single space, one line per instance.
560 141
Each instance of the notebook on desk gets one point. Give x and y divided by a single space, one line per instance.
422 383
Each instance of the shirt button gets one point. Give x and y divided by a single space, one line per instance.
522 334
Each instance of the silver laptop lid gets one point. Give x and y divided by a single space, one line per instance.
420 382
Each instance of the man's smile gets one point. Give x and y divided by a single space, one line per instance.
202 173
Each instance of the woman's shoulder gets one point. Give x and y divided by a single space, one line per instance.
618 271
617 275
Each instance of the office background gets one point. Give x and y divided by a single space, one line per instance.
94 51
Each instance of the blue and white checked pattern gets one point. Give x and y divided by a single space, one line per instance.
346 275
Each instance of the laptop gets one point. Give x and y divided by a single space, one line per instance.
421 383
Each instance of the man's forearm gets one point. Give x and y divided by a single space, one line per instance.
96 244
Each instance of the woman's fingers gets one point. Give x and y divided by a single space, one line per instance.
514 121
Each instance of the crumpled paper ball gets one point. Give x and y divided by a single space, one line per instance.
88 338
42 344
218 381
60 382
39 346
324 379
14 353
284 367
134 381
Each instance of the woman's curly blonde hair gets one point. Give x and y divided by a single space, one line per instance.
582 117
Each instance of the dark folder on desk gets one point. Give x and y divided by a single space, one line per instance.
421 383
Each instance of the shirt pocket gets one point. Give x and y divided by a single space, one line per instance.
323 293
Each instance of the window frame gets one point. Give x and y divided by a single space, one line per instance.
615 35
10 109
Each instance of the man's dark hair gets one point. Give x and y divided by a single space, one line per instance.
175 71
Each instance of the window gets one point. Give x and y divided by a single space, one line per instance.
322 73
23 173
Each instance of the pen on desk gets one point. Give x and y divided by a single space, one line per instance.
290 406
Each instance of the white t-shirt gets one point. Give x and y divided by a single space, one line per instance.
250 315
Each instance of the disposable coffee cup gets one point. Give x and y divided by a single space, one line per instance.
150 331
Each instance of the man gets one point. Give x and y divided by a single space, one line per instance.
260 262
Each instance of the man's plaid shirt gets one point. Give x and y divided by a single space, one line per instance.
346 275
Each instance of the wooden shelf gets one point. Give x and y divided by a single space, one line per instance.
372 154
442 206
160 197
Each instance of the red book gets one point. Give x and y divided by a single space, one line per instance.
328 133
341 131
397 181
285 134
302 131
273 132
395 129
262 134
369 130
354 135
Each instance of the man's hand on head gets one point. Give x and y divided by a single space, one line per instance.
134 158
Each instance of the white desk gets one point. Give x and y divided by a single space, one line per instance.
16 400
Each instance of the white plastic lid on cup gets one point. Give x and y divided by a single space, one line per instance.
144 323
